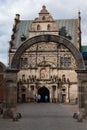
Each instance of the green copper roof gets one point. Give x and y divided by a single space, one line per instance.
70 26
83 48
22 29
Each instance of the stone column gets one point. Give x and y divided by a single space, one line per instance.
82 91
10 93
56 93
67 94
51 94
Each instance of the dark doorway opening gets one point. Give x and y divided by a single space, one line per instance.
63 98
23 94
23 98
44 93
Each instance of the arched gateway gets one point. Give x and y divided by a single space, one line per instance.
44 93
46 54
43 64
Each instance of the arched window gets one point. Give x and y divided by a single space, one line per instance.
48 27
38 27
43 18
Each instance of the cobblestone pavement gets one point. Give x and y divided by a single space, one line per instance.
44 116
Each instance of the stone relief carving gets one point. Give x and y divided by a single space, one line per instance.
56 56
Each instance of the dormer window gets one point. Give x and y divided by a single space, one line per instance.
38 27
43 18
48 27
23 38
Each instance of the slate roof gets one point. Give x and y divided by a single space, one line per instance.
67 25
22 28
71 26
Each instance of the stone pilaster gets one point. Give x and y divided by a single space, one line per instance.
10 93
82 90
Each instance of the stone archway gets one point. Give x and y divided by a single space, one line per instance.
44 92
47 38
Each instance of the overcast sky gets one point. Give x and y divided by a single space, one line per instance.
29 9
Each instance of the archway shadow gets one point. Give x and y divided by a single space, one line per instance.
44 93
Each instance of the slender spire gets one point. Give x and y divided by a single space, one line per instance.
79 29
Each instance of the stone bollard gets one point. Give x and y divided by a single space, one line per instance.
75 115
16 116
19 115
80 117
